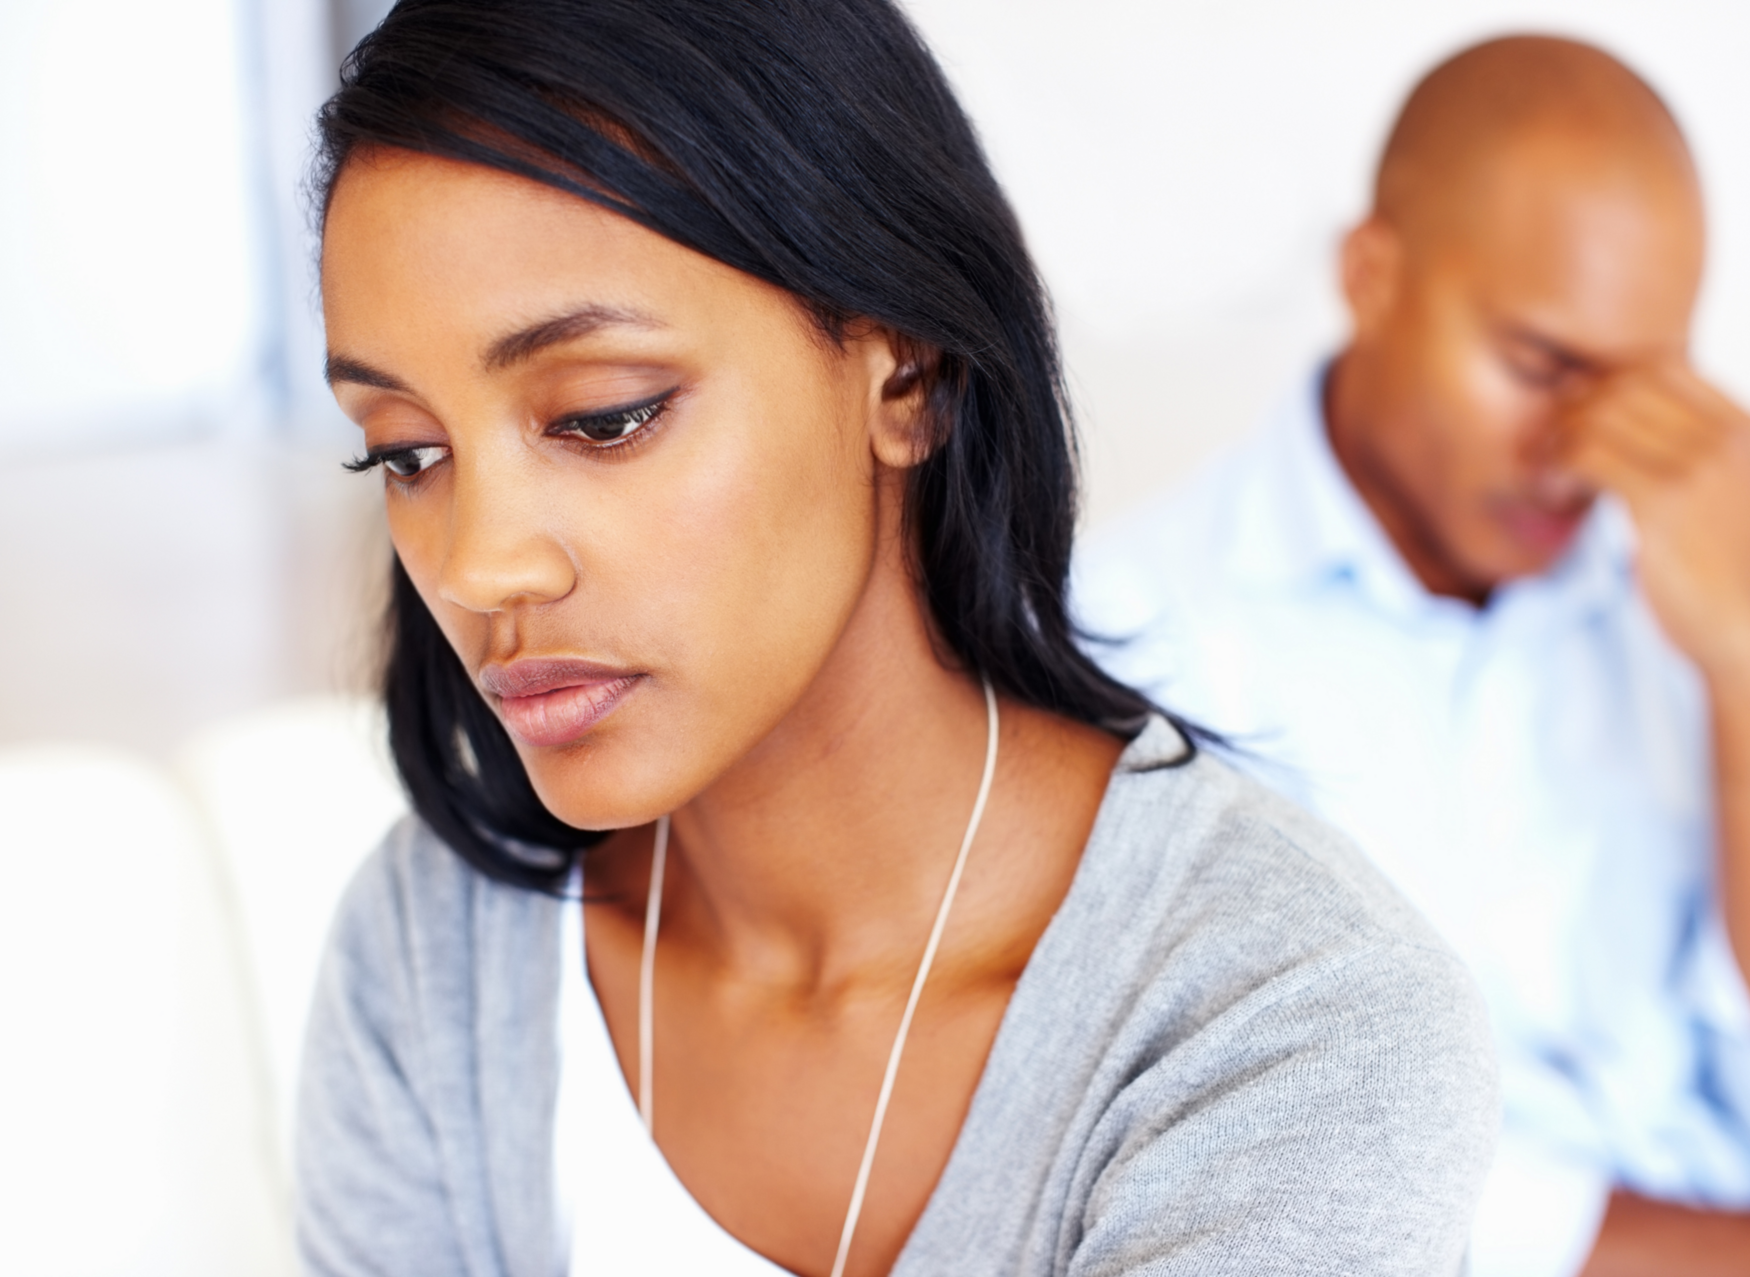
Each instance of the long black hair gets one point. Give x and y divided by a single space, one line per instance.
813 144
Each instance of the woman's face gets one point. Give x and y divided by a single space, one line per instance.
641 492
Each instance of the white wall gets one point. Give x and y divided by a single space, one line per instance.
1183 171
1183 168
131 290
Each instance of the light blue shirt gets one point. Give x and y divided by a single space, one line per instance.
1535 776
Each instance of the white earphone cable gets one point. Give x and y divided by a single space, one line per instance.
917 988
647 982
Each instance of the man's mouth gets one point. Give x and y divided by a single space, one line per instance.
1545 530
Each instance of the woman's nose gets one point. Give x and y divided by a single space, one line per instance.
499 553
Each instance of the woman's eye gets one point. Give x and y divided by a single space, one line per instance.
404 463
611 427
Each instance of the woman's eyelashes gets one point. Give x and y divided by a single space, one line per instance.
614 427
602 430
402 461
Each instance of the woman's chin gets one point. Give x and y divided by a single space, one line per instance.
604 787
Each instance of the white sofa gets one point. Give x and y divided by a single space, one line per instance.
160 929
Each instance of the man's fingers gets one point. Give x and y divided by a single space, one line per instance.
1637 429
1664 421
1707 399
1611 468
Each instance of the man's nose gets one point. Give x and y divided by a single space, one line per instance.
500 555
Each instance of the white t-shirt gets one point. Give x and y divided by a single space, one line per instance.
622 1212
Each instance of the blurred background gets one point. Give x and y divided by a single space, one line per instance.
176 539
188 581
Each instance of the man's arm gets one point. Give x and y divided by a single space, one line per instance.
1730 702
1677 452
1644 1238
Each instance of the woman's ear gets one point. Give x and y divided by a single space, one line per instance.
904 431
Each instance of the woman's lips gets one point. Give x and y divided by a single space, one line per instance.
548 703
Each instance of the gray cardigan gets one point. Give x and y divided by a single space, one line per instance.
1235 1051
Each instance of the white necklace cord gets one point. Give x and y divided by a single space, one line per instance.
647 972
917 986
647 980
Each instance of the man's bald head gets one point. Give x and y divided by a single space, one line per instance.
1501 110
1537 226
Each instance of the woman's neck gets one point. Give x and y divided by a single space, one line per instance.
816 863
824 851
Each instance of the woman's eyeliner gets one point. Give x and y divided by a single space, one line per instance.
613 428
600 430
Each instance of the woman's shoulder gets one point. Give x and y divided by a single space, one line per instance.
1234 1036
419 932
411 879
1209 856
409 888
1251 916
1216 930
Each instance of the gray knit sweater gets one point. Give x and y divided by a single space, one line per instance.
1235 1051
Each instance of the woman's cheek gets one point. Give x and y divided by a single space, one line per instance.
416 531
765 545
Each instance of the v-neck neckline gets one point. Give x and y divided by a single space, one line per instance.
1158 745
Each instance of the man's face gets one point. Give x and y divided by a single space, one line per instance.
1490 321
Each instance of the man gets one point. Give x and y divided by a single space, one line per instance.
1481 597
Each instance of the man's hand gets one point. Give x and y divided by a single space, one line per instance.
1677 452
1644 1238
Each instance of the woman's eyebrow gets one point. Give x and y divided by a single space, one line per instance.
568 327
338 368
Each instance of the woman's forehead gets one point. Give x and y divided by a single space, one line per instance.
427 261
403 226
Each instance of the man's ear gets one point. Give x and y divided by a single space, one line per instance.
1371 269
903 431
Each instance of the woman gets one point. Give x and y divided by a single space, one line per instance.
729 480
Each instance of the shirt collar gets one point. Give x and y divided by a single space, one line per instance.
1306 526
